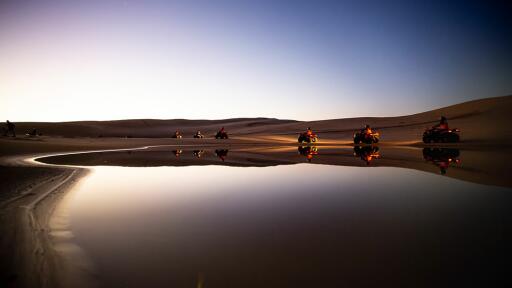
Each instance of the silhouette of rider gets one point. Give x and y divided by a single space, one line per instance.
443 124
11 128
367 130
309 132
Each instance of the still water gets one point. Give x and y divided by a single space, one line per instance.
299 225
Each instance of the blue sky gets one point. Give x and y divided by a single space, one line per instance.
305 60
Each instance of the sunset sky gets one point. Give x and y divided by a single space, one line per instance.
304 60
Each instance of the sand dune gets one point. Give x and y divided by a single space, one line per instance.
484 120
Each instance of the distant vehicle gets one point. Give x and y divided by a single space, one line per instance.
198 135
308 137
433 135
33 133
177 153
177 135
366 136
221 134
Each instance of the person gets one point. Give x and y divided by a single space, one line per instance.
11 128
367 130
443 124
309 132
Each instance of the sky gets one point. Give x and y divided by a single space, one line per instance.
303 60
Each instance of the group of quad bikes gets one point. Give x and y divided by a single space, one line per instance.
437 134
221 134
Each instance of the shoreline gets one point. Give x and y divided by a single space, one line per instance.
33 261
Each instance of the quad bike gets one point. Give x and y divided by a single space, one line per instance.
307 137
308 151
221 135
33 133
198 135
367 153
432 135
177 135
360 137
441 157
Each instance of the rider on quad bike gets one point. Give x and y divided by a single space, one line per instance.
441 133
221 134
198 135
366 136
177 135
308 136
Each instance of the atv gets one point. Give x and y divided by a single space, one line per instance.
221 135
177 135
198 135
361 137
32 133
441 136
307 138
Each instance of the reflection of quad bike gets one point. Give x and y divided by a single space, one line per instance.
307 137
442 157
198 135
308 151
198 153
367 153
221 135
361 137
432 135
221 153
177 152
177 135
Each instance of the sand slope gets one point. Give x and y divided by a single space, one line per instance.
484 120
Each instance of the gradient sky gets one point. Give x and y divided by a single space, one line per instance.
305 60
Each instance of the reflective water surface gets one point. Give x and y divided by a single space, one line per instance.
273 219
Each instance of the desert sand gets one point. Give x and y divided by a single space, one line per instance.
30 190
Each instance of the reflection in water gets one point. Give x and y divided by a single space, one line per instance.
198 153
367 153
308 151
222 153
480 166
289 226
442 157
177 152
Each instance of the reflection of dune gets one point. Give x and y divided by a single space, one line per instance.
480 166
483 120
